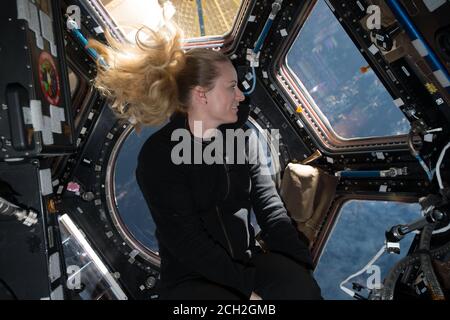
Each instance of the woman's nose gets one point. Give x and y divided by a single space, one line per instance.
239 95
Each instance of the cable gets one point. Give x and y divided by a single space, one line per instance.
438 166
415 153
430 173
352 293
253 58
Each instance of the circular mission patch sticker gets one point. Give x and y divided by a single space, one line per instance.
49 78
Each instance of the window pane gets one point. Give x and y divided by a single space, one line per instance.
196 18
206 17
336 75
357 236
131 204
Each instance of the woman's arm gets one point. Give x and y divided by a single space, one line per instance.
278 230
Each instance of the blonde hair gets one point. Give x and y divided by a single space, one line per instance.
153 78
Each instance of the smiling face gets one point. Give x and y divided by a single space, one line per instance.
223 99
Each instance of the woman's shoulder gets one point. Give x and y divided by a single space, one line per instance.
159 145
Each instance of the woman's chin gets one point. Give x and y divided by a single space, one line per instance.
235 119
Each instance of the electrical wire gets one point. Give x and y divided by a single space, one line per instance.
350 292
438 166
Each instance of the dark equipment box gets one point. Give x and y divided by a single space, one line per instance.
35 112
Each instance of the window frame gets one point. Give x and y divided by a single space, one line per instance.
81 96
82 93
324 137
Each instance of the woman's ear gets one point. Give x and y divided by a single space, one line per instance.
199 95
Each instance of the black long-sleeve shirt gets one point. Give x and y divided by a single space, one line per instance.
202 213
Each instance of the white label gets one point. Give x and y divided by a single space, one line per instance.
380 155
62 117
46 27
39 42
36 115
383 188
54 269
98 30
57 113
428 137
246 85
133 253
399 102
283 32
55 119
54 112
45 177
330 160
254 63
360 6
420 47
405 71
265 75
373 49
33 23
251 18
433 4
56 126
440 76
47 135
53 50
26 115
22 10
57 294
